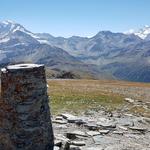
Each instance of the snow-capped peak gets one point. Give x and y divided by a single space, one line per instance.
142 33
8 27
8 22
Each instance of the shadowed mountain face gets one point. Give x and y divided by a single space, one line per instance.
105 55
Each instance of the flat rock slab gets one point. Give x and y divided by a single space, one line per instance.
72 119
59 118
74 135
134 136
91 126
78 143
103 119
94 148
79 133
104 131
66 116
130 100
93 133
59 121
118 132
122 127
104 140
138 129
106 124
125 121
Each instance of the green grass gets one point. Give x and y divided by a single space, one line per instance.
78 96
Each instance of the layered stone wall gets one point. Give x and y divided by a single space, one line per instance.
25 122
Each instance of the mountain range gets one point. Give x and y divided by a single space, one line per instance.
123 56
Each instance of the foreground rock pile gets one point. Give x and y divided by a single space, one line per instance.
104 131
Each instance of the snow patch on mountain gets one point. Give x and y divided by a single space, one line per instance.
4 40
42 41
142 33
6 22
17 29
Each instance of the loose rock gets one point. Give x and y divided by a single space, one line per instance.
91 126
129 100
138 129
93 133
104 131
78 143
66 116
74 134
59 121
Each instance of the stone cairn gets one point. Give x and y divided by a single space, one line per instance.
25 122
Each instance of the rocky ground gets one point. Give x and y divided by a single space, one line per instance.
87 123
101 131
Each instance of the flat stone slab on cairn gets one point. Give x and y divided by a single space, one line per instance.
25 122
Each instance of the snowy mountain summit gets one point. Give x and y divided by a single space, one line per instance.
12 31
8 26
142 33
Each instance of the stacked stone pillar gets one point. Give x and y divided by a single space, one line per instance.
25 122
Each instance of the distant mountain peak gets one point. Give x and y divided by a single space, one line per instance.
142 33
11 26
104 32
8 22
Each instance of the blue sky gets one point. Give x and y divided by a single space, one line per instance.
77 17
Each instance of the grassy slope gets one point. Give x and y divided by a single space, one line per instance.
77 96
80 95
